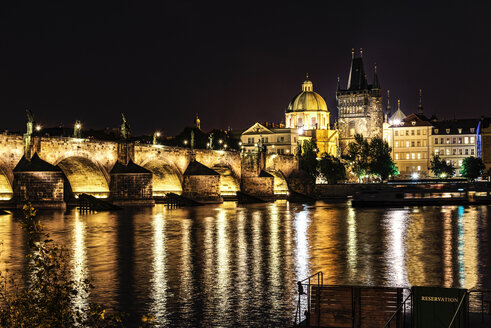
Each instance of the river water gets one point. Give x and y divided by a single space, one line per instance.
234 265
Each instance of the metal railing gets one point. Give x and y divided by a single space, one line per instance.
403 307
306 284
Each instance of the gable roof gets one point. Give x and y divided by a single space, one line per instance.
36 164
258 128
419 119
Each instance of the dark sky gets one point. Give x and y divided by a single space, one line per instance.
233 62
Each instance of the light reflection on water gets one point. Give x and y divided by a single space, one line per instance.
237 265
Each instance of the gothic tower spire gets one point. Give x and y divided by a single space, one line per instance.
376 83
420 104
388 104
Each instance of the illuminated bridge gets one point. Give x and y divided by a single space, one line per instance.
88 166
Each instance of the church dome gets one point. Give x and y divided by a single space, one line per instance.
307 100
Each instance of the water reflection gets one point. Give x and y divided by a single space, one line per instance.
159 280
233 265
79 263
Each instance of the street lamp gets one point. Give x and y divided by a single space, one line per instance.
38 127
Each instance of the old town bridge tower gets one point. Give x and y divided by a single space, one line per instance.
359 105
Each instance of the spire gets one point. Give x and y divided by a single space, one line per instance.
388 103
398 104
352 53
357 77
420 105
376 83
339 86
361 52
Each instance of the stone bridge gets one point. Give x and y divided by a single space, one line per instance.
87 163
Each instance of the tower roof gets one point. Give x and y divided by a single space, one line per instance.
357 78
398 116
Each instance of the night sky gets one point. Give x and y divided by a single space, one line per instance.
233 62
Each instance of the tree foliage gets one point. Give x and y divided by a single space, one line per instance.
357 156
472 168
332 169
308 158
370 158
440 168
49 298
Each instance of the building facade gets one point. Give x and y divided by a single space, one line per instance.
271 138
359 105
454 140
411 149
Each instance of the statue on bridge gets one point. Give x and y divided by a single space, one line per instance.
210 141
125 129
30 121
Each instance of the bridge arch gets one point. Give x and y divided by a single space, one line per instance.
85 176
229 183
165 177
6 180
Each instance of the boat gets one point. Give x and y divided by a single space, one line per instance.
429 194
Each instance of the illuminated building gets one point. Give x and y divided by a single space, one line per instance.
454 140
273 138
359 105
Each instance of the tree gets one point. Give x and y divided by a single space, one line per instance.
50 298
332 169
380 161
308 158
440 168
472 168
357 156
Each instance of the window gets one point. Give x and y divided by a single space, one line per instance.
466 140
407 156
412 132
441 141
460 162
436 131
472 151
460 131
396 133
448 141
424 132
407 143
419 167
294 139
397 144
397 156
412 143
472 130
454 140
448 151
266 140
418 132
418 144
413 156
460 151
419 155
413 123
454 151
467 151
460 140
447 130
407 132
472 140
436 141
436 151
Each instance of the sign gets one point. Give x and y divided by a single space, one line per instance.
435 307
